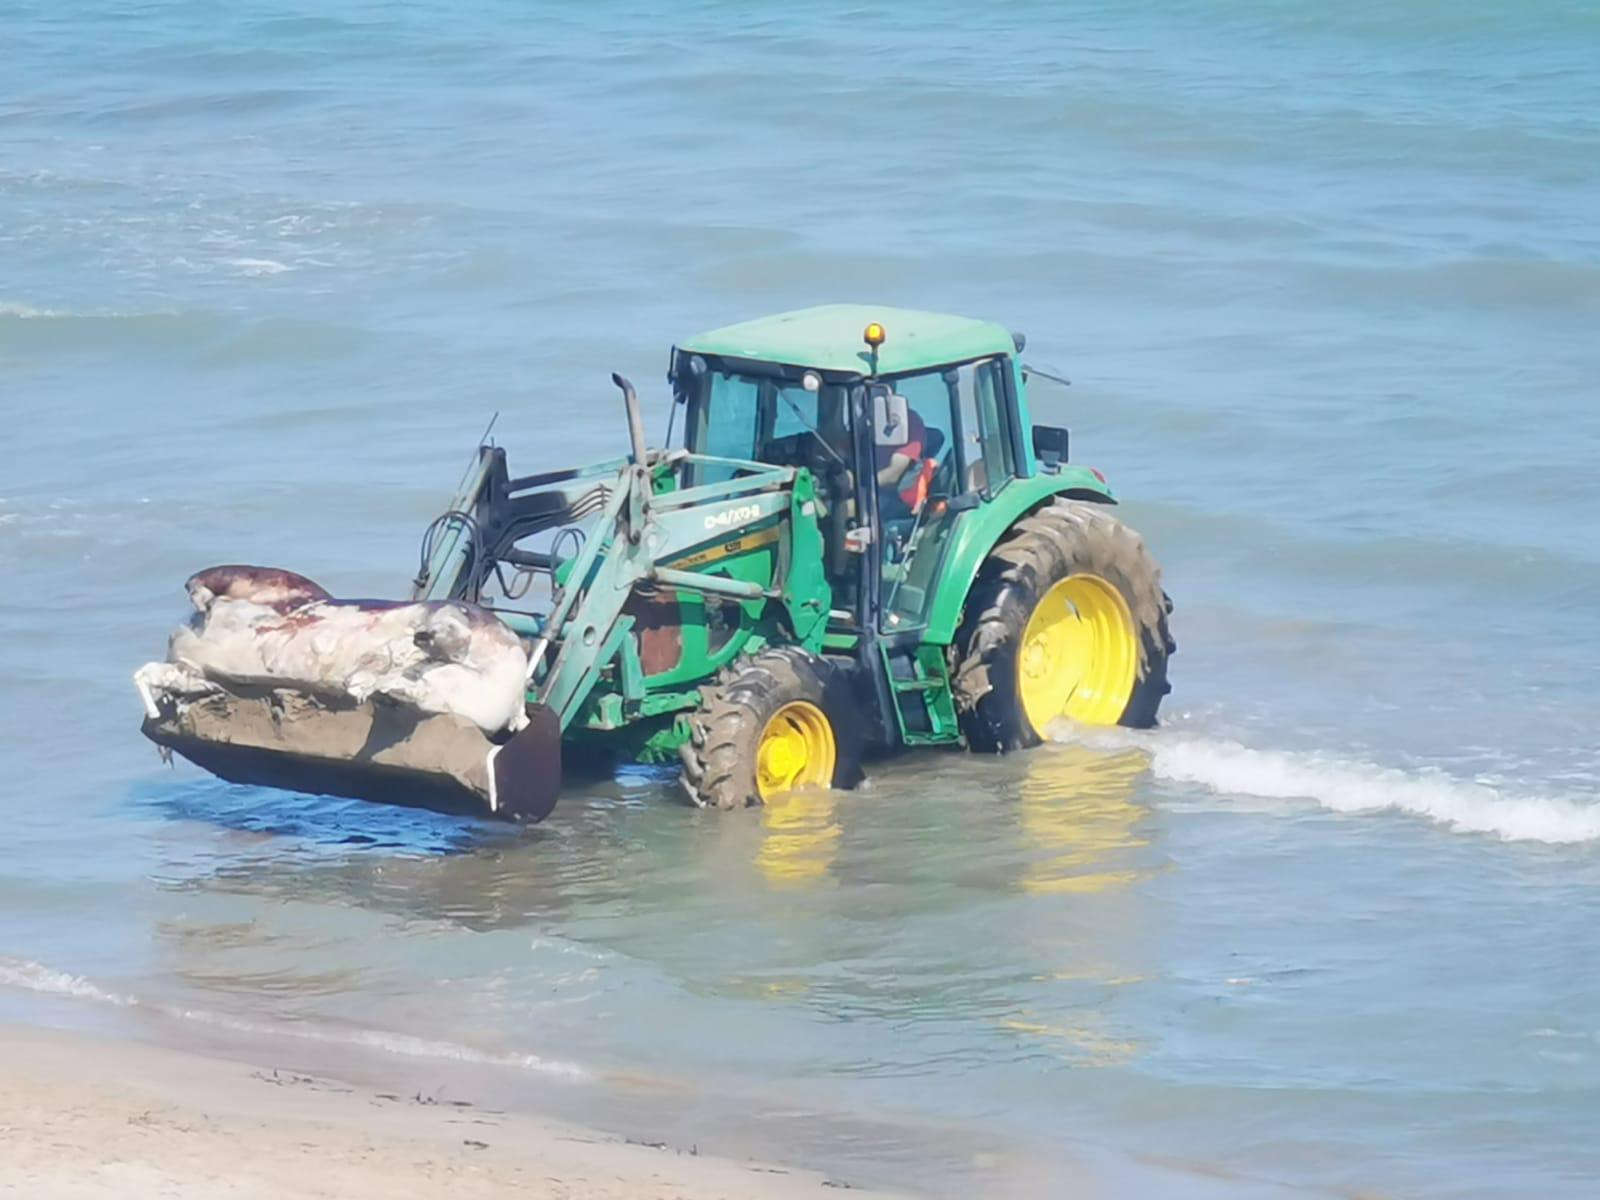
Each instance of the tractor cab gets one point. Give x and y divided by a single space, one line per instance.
904 419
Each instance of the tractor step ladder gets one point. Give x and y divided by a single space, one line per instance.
919 681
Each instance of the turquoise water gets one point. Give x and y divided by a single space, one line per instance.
1326 279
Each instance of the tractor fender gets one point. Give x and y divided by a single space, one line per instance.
977 531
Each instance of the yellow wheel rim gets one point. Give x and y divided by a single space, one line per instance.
796 750
1079 656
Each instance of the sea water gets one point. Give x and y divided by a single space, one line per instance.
1326 279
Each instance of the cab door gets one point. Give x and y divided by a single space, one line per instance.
967 454
955 421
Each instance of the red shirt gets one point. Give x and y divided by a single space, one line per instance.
917 432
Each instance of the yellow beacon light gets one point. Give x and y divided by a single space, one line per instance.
874 335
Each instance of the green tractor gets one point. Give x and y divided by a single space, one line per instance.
862 544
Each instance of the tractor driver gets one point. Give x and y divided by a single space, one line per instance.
903 466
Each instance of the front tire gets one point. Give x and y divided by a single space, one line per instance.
1067 619
776 722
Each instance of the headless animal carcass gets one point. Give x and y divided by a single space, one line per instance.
272 680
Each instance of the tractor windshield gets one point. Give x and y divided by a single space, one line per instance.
769 420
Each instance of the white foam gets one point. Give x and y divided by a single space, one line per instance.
561 945
259 266
26 311
36 977
402 1044
1350 786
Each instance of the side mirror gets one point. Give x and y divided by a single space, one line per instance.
891 418
1050 444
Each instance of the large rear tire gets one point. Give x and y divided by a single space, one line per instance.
775 722
1067 619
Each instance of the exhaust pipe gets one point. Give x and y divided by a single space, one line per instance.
630 400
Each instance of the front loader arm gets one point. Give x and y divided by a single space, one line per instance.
645 538
491 512
687 540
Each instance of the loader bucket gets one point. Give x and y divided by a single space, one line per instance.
372 750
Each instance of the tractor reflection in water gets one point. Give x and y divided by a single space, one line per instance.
800 837
1088 847
1074 808
1077 813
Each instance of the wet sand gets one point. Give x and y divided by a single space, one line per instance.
90 1117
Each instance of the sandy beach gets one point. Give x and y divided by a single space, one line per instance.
90 1117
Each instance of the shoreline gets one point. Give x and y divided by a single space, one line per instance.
89 1116
140 1098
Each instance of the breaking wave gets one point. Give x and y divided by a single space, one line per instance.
27 312
36 977
1350 786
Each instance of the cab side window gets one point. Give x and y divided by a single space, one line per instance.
929 399
986 458
970 443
